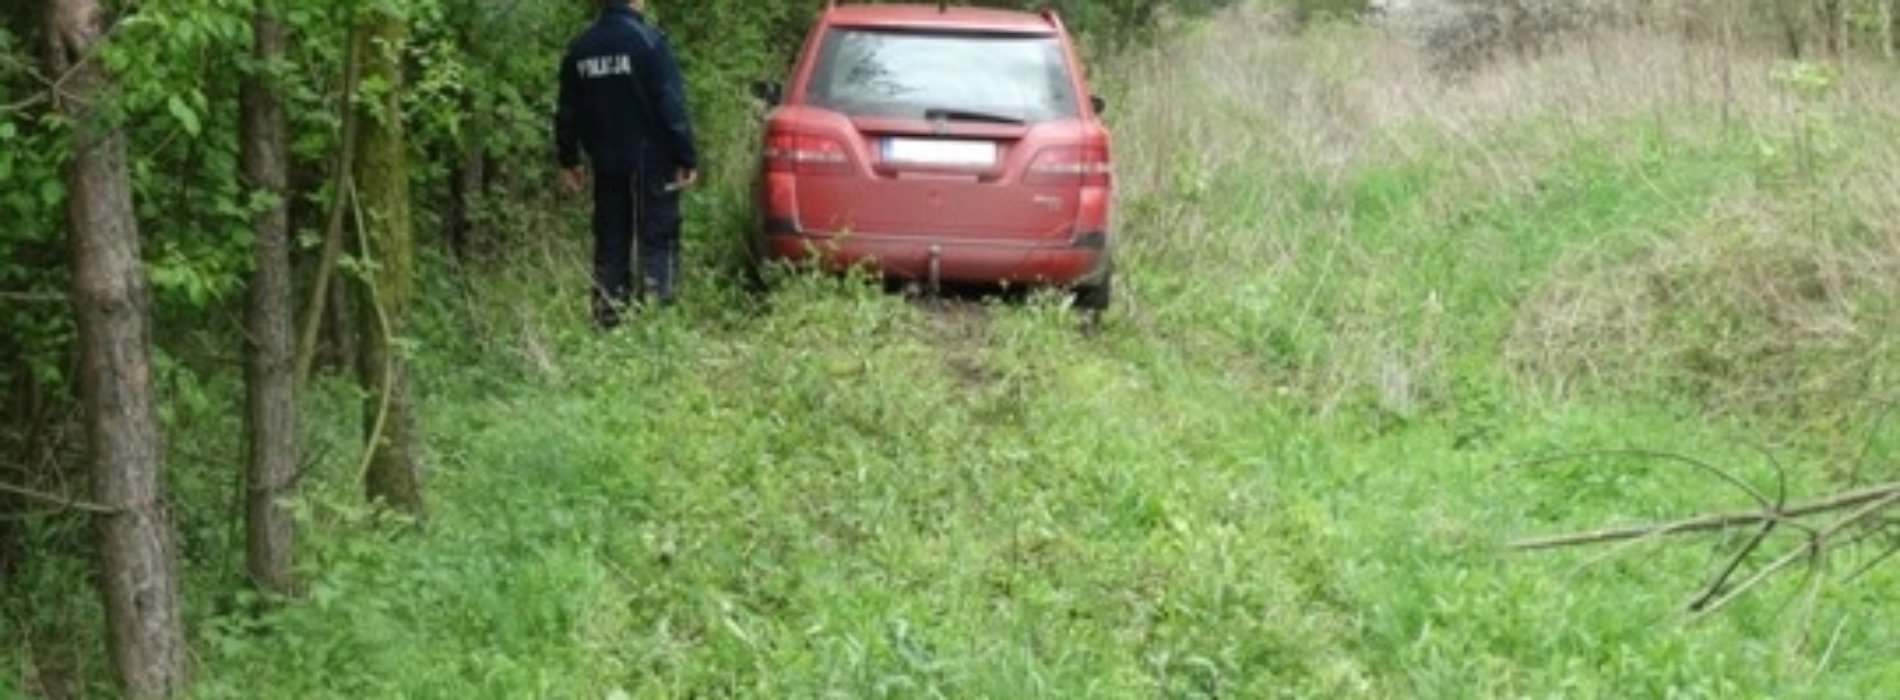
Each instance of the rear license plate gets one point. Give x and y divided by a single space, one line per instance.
940 152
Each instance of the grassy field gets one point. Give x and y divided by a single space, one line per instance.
1357 301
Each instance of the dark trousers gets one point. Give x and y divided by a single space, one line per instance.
626 203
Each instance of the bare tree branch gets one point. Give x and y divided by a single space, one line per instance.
1808 549
1734 564
1884 493
30 102
1718 472
342 184
57 500
33 297
380 421
1814 548
25 68
1781 476
1882 558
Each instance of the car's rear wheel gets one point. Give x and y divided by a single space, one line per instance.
1094 296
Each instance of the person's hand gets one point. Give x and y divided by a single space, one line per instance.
684 178
574 178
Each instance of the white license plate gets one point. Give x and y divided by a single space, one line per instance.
940 152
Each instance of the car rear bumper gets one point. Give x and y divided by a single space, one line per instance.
1080 260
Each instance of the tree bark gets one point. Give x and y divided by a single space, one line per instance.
112 306
270 396
393 474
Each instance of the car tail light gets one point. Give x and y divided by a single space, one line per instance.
1070 165
804 153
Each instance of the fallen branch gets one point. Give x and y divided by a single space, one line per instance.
1815 547
1722 521
1735 563
1713 470
1876 562
1837 523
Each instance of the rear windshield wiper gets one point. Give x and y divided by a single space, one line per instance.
965 115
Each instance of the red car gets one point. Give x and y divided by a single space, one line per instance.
939 144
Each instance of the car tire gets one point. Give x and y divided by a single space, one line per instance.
1094 297
752 279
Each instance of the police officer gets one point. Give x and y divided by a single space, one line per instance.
623 104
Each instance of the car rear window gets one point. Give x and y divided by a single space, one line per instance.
870 72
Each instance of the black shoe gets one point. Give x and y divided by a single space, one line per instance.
607 314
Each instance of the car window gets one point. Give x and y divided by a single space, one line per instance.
866 72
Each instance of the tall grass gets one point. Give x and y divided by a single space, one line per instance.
1596 216
1355 296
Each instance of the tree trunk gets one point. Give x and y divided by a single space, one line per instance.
1792 16
469 178
465 185
112 307
393 474
271 406
1834 24
1892 43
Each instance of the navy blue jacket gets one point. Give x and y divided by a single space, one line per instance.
622 99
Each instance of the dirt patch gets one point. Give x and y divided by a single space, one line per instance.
960 329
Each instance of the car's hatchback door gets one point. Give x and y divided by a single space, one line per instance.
944 132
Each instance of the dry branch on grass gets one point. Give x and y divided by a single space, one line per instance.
1829 525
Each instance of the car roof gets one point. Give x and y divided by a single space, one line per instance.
978 19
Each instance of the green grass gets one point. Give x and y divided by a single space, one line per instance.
1288 466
